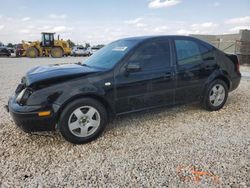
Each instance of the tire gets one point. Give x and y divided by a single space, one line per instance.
57 52
216 95
76 126
32 52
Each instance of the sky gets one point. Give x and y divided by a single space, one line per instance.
102 21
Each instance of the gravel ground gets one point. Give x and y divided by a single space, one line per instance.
183 146
245 68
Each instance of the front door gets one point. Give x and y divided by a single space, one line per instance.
150 86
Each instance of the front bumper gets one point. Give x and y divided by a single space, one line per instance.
27 118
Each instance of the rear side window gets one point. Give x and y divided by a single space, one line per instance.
188 52
152 56
207 53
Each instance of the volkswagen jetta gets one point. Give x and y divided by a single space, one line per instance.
128 75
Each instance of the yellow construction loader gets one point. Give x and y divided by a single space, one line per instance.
47 47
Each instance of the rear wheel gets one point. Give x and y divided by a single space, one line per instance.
82 121
32 52
215 95
57 52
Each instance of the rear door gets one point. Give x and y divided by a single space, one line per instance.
195 62
153 85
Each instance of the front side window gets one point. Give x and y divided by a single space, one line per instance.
152 56
188 52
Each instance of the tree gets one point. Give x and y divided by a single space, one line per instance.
10 45
87 45
71 43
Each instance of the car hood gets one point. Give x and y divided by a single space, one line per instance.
57 73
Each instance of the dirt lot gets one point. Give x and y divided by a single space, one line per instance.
183 146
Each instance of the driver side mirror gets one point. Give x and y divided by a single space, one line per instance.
133 67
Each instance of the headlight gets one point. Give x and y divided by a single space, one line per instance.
23 96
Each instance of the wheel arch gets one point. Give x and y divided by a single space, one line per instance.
105 103
222 75
225 79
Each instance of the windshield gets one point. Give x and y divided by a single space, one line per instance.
111 54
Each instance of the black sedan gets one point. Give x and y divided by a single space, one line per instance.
5 52
128 75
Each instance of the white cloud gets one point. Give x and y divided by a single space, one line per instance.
61 29
141 25
44 28
163 3
1 27
216 4
58 16
240 20
203 28
137 22
25 19
238 28
198 28
134 21
31 27
161 29
208 25
25 31
183 32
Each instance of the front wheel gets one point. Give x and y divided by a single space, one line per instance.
57 52
215 95
82 121
32 52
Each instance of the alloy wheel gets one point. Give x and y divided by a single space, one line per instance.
84 121
217 95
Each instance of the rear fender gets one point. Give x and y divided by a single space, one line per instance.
218 74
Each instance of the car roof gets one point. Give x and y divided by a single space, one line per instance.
143 38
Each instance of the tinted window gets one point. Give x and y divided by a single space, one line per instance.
188 52
153 55
207 53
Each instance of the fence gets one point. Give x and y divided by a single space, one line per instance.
239 47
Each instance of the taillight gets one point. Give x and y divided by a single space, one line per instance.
238 67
